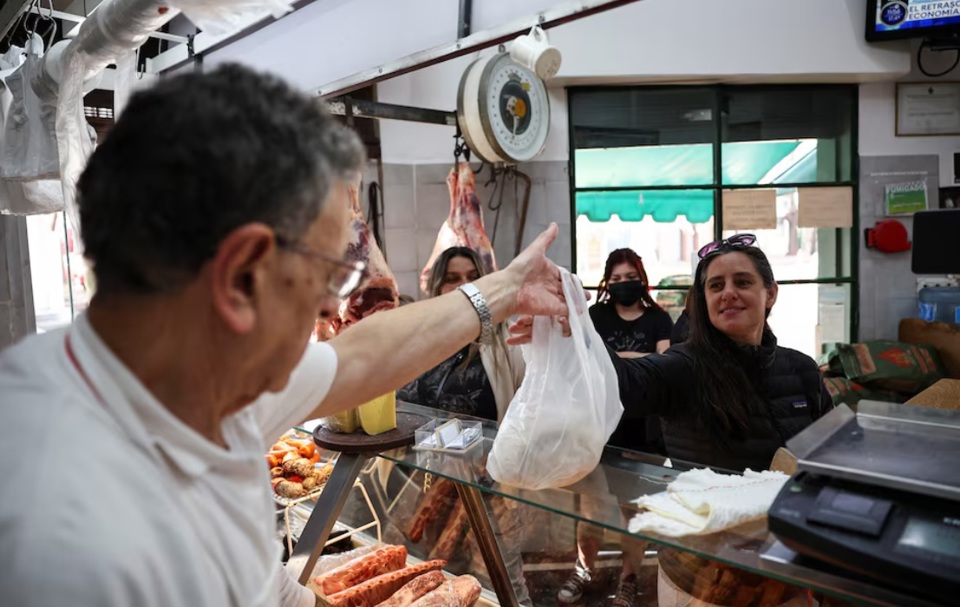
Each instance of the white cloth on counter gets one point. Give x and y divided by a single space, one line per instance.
122 503
701 501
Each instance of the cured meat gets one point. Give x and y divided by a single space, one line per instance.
379 291
380 561
432 506
374 591
461 591
447 544
464 226
414 589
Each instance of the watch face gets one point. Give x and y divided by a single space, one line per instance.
515 108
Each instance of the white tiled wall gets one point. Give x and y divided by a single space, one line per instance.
416 201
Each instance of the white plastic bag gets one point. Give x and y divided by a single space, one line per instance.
29 146
219 17
566 408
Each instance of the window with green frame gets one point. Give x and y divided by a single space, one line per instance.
651 167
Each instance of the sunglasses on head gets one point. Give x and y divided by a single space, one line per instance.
737 241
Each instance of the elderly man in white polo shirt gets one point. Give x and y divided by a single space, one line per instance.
215 215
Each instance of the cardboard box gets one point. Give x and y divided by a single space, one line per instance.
945 338
945 394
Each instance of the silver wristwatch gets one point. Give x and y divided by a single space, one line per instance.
480 305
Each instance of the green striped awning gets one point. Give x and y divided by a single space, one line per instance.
679 165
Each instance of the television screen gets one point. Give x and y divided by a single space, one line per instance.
895 19
933 231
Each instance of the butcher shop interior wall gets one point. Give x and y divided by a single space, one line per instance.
625 46
634 45
888 289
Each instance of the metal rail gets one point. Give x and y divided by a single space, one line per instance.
387 111
45 12
553 17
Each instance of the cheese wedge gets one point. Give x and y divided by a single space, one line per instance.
345 422
379 415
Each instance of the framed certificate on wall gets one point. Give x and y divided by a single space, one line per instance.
928 109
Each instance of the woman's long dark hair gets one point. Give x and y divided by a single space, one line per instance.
726 391
439 270
628 256
438 274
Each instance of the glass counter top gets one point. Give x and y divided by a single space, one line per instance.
606 498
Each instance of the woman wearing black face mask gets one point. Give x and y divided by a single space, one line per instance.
625 315
633 325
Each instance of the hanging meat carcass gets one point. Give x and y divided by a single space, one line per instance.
464 226
379 290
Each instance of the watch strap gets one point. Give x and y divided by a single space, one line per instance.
480 306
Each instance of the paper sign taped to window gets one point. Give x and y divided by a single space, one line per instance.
825 207
833 323
749 209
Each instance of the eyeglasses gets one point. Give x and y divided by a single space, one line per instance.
347 275
737 241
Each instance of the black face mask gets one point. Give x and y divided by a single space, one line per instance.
626 293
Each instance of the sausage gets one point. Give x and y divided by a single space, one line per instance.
380 561
462 591
433 504
452 534
374 591
414 589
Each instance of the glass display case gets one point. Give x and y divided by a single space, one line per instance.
523 545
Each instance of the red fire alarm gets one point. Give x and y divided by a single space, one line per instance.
888 236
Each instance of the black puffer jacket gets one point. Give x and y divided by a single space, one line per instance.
665 385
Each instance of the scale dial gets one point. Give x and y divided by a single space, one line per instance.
503 110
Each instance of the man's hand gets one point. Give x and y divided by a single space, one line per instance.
540 291
521 331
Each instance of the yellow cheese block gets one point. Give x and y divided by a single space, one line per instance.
379 415
344 422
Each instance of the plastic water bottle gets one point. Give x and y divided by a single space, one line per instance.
939 304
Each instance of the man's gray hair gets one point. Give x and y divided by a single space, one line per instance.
196 156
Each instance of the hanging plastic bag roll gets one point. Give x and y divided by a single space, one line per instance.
566 408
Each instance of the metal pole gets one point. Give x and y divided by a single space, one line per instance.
480 522
325 514
374 109
465 18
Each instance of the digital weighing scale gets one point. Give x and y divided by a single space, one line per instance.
878 493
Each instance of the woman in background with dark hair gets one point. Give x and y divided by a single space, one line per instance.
479 380
625 315
633 326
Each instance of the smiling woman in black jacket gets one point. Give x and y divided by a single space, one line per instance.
748 395
728 396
